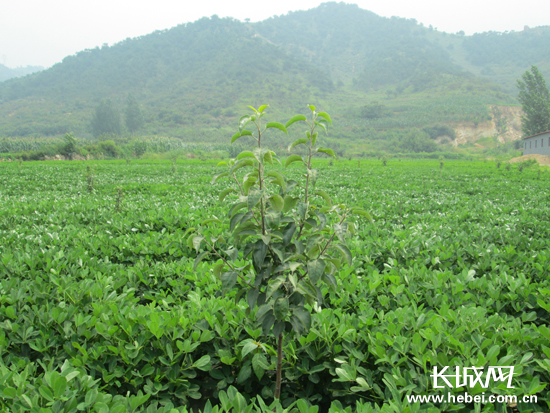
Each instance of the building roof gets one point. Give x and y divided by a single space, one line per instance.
537 134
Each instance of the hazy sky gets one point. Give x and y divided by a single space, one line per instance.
43 32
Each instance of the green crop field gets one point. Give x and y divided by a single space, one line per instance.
102 310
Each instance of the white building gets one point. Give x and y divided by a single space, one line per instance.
539 144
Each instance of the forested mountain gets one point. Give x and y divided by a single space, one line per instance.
355 44
8 73
194 80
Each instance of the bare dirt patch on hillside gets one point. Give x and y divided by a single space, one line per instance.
505 126
541 159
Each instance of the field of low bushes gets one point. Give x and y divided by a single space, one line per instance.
102 308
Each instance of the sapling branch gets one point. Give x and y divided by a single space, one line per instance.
255 218
279 366
261 178
312 127
238 183
331 237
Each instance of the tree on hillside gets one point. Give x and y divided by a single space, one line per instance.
132 115
69 148
535 102
106 119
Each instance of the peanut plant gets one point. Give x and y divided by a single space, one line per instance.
289 234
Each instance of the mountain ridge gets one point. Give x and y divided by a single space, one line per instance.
7 73
194 80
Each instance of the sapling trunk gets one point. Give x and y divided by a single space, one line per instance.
279 366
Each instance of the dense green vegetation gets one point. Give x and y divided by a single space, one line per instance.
100 305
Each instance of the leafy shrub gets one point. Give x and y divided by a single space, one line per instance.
440 130
293 244
375 110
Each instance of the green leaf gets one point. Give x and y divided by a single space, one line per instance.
293 158
240 134
248 348
297 142
326 116
300 320
27 399
325 196
197 239
243 121
262 312
9 393
327 151
59 387
235 220
249 183
302 406
46 393
267 323
322 125
218 176
277 125
274 286
10 311
314 139
278 328
262 108
278 179
294 119
330 279
307 288
228 280
288 232
209 220
237 207
240 404
364 214
277 202
260 365
91 397
315 269
203 363
253 198
260 251
254 109
246 154
280 308
493 351
345 252
302 209
311 107
241 164
344 374
268 157
341 231
290 202
225 192
288 266
200 258
252 297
